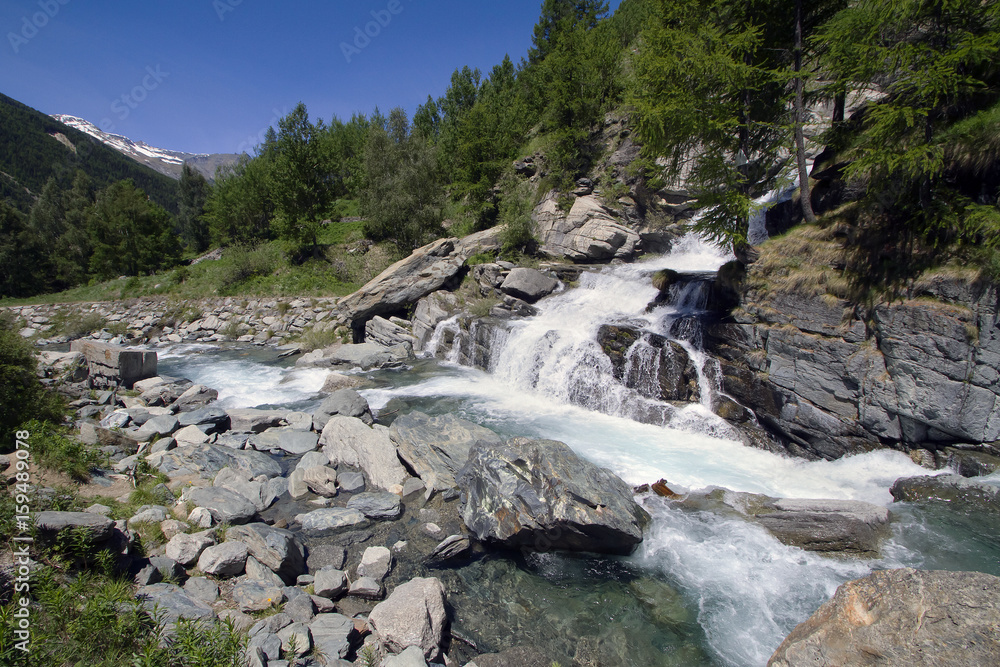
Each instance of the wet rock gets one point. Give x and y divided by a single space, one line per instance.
901 618
345 402
589 232
541 494
351 442
453 548
436 448
845 526
330 520
351 482
377 506
413 615
949 488
528 284
674 375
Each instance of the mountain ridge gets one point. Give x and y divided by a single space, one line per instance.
165 161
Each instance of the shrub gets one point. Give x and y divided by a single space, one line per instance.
52 448
22 396
243 262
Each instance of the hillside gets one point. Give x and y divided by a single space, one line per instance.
35 147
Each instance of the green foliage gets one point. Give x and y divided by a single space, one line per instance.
130 235
22 396
52 447
517 234
194 194
245 262
403 199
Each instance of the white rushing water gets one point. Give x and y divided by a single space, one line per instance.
749 590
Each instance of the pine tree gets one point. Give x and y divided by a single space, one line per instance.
194 193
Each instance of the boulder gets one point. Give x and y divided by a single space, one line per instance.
209 420
51 524
330 520
277 548
589 232
413 615
187 548
375 563
190 435
351 442
345 402
844 526
901 618
296 636
431 311
336 381
321 480
110 365
224 560
201 588
297 442
351 482
948 488
528 284
226 506
377 505
173 603
207 460
389 332
333 635
253 595
426 270
330 583
255 421
194 398
367 588
436 448
411 657
540 494
240 483
453 548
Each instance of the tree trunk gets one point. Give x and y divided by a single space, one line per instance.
805 192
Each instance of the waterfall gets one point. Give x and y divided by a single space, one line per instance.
561 354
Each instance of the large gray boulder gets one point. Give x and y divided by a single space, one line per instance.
333 634
377 505
162 425
345 402
225 506
209 420
330 520
433 309
207 460
351 442
255 421
361 355
436 448
51 524
426 270
540 494
948 488
843 526
173 603
224 560
187 548
528 284
901 618
277 548
590 231
110 365
413 615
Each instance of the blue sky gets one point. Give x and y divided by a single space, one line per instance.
209 76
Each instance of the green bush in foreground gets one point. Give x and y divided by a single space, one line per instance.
22 396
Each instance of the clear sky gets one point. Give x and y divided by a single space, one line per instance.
208 76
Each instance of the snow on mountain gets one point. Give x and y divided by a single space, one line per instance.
164 161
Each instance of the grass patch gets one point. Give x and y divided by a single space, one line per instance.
316 339
52 448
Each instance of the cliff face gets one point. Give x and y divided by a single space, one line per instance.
832 379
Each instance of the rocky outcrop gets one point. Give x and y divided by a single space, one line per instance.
915 374
426 270
840 526
528 284
589 232
952 489
541 495
900 618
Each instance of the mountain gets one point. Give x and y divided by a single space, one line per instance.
35 147
165 161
